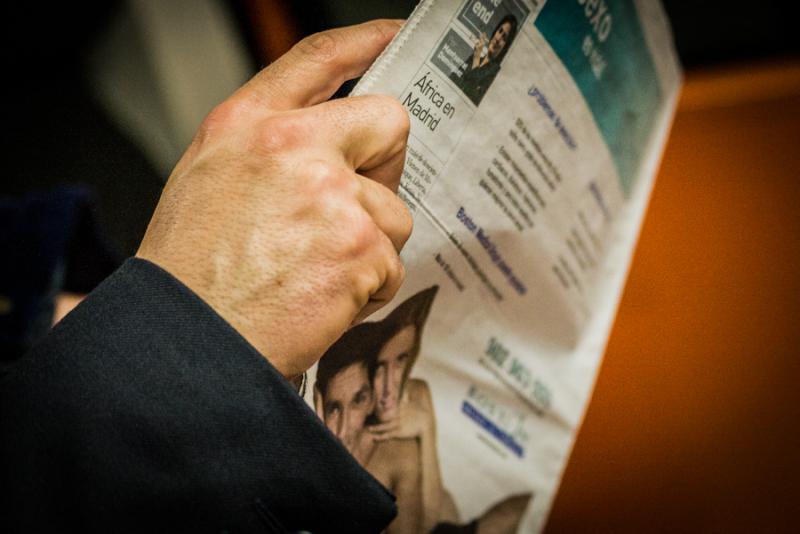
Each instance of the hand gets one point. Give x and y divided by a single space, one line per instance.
413 421
282 213
478 50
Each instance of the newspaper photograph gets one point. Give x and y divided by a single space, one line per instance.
536 132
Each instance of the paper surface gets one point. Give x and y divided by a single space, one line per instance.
536 132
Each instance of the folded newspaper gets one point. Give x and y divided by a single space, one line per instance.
536 131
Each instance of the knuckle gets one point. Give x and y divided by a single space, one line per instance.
279 133
405 221
355 234
397 271
320 48
382 30
366 282
361 234
323 176
226 113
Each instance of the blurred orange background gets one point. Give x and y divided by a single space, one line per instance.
692 425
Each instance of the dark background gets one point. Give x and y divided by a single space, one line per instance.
693 423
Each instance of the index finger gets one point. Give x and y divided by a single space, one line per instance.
317 66
370 130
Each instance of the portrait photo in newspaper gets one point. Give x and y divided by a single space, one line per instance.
472 51
365 395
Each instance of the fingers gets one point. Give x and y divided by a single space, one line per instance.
318 65
392 276
388 212
368 133
391 216
371 131
389 172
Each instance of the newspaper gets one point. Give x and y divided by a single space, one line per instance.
536 131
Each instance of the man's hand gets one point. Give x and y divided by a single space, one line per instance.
282 213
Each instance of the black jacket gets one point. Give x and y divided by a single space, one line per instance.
145 411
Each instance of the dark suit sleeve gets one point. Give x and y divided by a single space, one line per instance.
144 411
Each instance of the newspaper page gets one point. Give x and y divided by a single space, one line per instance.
537 127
